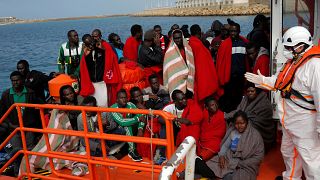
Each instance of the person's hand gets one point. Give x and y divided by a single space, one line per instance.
140 133
222 162
73 76
157 40
142 119
55 74
98 147
99 45
184 121
153 96
254 78
105 122
86 50
11 126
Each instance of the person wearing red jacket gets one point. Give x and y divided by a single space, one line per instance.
131 47
231 67
187 122
212 130
259 59
206 79
99 71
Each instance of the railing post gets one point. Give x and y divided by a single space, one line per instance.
169 137
24 144
186 148
103 146
190 163
86 139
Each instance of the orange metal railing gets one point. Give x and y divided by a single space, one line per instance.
87 158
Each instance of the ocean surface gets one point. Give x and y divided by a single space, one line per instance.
39 43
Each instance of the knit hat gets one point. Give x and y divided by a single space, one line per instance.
149 35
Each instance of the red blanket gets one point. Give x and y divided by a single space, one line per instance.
263 64
112 76
130 49
212 132
153 70
206 79
145 149
224 60
193 112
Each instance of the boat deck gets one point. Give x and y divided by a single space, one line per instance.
271 167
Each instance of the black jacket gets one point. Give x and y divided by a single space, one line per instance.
259 37
31 116
38 82
150 57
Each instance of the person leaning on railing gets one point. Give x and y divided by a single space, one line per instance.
128 120
18 93
110 127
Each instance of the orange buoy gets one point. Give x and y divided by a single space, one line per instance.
56 83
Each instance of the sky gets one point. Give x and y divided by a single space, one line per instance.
43 9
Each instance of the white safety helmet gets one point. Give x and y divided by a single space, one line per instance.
296 35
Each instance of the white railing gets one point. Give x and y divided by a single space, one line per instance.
186 149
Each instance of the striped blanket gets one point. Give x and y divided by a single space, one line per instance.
58 143
176 73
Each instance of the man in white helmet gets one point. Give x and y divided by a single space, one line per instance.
299 108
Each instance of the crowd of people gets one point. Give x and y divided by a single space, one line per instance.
198 77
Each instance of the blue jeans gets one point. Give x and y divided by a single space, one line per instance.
119 131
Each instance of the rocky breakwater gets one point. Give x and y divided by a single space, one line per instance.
208 11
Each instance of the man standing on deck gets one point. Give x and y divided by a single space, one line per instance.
164 40
258 58
150 54
299 107
231 67
258 34
70 55
131 47
206 79
178 66
216 42
117 45
35 80
100 74
18 93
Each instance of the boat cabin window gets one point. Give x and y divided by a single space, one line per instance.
298 12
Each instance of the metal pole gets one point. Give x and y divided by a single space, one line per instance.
186 149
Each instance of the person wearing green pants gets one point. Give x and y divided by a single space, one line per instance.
127 121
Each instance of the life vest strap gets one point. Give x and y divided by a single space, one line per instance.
287 95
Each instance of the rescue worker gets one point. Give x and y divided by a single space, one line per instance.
299 108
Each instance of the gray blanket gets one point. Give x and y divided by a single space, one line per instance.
259 113
245 162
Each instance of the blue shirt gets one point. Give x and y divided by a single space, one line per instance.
231 143
235 137
119 53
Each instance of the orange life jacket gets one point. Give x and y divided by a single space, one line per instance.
286 75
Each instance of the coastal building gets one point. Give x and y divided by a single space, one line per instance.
157 4
217 3
7 20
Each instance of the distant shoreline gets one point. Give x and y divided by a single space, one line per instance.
25 21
